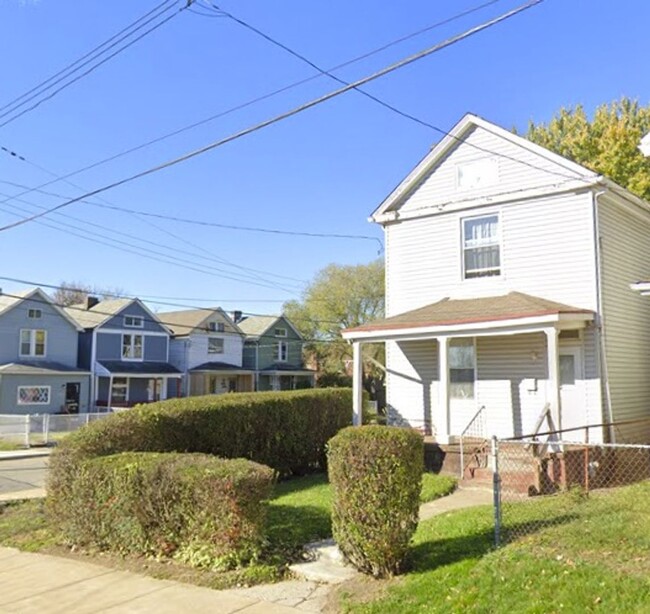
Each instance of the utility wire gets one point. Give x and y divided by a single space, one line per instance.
86 72
262 97
301 108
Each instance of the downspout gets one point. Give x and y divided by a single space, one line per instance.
600 325
257 366
93 378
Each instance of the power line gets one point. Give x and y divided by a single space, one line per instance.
262 97
91 69
301 108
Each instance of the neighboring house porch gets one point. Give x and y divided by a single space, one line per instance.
285 377
504 358
120 384
219 378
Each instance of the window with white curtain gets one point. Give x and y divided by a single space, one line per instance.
462 368
481 246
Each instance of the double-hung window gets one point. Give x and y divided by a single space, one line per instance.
462 368
215 345
282 351
33 342
132 347
481 246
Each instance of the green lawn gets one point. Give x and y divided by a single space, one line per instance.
595 558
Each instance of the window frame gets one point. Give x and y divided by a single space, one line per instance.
32 343
133 345
463 248
34 314
452 396
133 319
49 395
223 345
216 327
278 351
282 334
115 384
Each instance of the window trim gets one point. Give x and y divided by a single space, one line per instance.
474 366
278 353
216 327
32 343
223 345
134 318
463 271
130 359
49 395
282 334
32 314
125 386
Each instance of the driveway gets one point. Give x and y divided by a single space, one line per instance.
23 475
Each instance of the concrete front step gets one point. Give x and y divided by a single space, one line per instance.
324 564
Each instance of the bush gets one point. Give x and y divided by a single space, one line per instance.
287 431
206 511
376 476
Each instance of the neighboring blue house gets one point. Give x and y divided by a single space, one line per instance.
126 348
273 350
38 357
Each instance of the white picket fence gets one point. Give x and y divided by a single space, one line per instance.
42 429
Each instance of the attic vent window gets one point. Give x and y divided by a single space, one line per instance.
34 314
477 174
133 321
216 327
280 332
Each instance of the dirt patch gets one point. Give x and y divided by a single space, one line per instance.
360 589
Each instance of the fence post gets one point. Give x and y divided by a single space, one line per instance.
46 428
87 417
496 491
27 426
587 460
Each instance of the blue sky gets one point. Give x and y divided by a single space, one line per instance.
322 171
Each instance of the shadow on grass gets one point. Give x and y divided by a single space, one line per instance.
290 527
435 553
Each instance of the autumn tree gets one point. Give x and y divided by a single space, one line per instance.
606 143
73 293
342 297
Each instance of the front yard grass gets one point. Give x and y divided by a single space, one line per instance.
595 558
298 513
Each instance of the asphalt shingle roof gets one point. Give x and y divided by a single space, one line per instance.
219 366
254 326
136 368
182 323
38 368
98 314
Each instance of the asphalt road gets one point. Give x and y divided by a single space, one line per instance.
22 474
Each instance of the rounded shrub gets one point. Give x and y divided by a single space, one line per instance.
376 477
206 511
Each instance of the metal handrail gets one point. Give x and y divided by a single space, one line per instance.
462 434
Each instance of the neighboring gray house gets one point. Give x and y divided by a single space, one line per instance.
273 350
38 357
507 292
126 348
207 347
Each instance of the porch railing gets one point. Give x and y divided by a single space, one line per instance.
475 429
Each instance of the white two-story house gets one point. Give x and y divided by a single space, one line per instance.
508 272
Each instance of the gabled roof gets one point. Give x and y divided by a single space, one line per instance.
183 323
455 138
105 310
512 306
9 302
257 326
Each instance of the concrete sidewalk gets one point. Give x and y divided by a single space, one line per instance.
26 453
43 584
458 500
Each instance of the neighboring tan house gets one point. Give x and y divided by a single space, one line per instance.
273 350
507 291
38 357
126 348
207 347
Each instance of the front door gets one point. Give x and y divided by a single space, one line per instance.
72 395
572 393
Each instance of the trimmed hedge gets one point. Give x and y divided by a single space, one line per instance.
207 511
376 477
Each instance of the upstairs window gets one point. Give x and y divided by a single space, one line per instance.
215 345
280 332
34 314
462 368
481 247
32 342
282 351
133 322
216 327
132 347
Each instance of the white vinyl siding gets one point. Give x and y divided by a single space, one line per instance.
625 256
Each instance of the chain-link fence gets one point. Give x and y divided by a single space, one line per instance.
540 485
42 429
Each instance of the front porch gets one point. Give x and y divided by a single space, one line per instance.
219 378
483 367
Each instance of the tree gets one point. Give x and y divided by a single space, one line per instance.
342 297
607 143
72 293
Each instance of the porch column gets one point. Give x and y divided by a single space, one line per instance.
553 358
442 420
357 384
163 392
110 391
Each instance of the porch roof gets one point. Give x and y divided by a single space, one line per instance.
492 311
40 368
135 368
221 367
